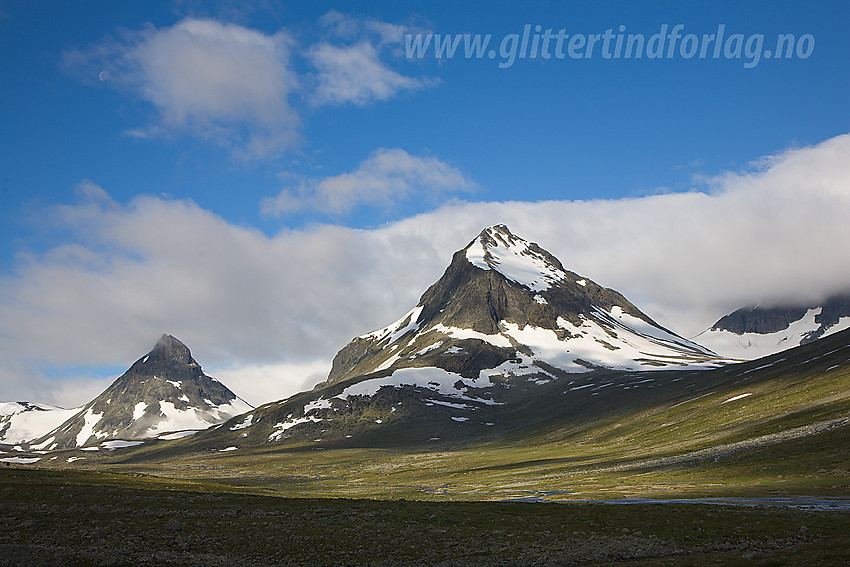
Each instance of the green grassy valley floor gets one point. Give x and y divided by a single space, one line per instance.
789 436
80 518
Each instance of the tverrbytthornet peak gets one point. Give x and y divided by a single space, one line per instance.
754 332
165 390
507 308
505 327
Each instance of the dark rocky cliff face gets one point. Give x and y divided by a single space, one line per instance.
832 310
759 320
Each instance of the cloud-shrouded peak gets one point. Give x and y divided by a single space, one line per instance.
170 348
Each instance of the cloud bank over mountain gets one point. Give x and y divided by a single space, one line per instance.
270 311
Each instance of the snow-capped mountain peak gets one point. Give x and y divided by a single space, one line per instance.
507 307
503 323
496 248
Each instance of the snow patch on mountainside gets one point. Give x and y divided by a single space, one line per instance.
280 428
398 329
195 418
247 422
177 435
91 420
632 324
617 347
498 339
139 410
429 378
120 444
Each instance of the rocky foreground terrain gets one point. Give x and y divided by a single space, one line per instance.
67 519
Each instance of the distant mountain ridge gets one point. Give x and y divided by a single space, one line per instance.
752 332
21 422
165 390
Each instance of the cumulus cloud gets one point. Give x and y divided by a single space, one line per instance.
352 61
386 178
219 81
234 86
275 309
355 74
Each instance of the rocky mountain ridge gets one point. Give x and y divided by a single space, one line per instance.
755 331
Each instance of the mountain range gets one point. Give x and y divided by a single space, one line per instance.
506 327
21 422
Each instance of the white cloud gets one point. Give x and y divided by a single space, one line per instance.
246 302
200 69
354 70
386 178
261 383
351 28
218 81
233 86
356 74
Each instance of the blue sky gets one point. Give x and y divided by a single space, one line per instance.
296 124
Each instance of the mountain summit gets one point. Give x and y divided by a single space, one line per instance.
169 349
165 390
509 307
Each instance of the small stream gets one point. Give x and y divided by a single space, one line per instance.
798 502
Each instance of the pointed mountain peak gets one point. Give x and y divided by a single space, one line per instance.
497 248
170 348
165 390
498 235
508 307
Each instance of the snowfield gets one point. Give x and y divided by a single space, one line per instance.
27 424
